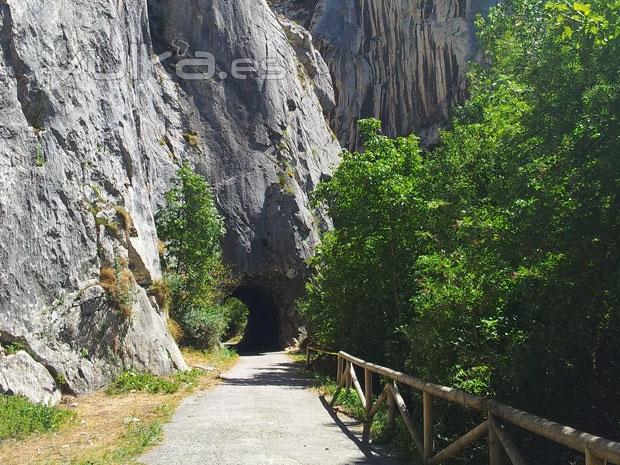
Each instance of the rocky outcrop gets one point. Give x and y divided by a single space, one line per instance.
93 126
82 113
21 375
403 62
264 142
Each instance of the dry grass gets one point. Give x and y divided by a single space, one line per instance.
107 278
126 221
174 329
161 291
192 139
103 431
118 282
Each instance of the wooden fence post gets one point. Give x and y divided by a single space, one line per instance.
496 451
391 413
429 433
347 375
368 405
339 372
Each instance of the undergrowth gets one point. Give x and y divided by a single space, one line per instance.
349 403
19 417
134 381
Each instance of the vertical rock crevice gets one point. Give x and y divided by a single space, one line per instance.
403 62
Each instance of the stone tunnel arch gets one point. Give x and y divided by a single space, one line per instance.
264 330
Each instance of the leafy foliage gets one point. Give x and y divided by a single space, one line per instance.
196 283
19 417
238 314
491 261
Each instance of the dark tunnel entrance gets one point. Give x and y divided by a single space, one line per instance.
262 332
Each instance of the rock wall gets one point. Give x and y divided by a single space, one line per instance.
79 159
402 61
264 142
92 129
102 100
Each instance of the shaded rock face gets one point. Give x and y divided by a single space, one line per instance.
403 61
264 140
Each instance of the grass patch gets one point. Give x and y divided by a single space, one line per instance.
132 381
174 329
118 282
20 418
160 289
192 139
216 357
137 439
125 219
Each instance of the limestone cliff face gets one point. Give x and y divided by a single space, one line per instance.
102 100
76 150
402 61
92 129
264 141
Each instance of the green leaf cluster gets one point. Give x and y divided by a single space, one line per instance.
191 229
491 262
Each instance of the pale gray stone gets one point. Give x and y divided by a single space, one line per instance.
75 149
21 375
404 62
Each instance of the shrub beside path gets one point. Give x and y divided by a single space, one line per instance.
262 413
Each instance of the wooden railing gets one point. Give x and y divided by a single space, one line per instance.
598 451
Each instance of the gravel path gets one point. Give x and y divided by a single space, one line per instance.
261 414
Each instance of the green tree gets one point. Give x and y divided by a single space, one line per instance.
191 228
491 261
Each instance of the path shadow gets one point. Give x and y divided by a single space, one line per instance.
374 455
284 374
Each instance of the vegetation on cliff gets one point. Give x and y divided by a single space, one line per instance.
196 284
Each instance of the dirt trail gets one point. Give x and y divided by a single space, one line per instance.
261 414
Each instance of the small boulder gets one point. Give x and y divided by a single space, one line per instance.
21 375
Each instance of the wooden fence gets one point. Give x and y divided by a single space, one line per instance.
597 451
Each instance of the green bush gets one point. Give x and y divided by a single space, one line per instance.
203 324
19 417
191 229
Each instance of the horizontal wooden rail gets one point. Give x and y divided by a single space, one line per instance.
598 451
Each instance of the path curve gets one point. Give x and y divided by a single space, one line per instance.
261 414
